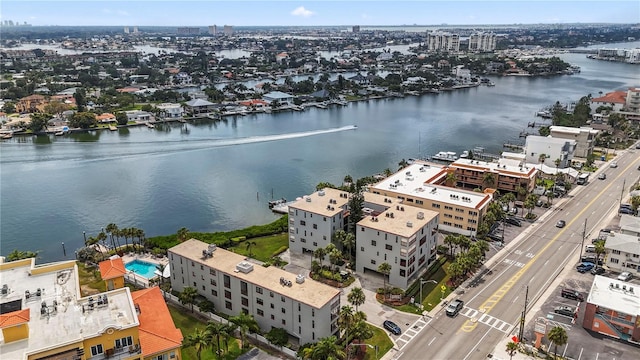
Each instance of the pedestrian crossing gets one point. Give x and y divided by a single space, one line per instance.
477 316
411 332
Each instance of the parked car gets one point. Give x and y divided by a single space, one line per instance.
585 266
613 164
602 176
571 294
591 259
627 211
495 237
625 276
513 221
391 326
598 271
454 307
565 310
561 224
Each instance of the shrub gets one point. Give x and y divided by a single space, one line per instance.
397 291
280 250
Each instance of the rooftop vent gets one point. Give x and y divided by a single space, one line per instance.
409 224
244 267
321 193
391 215
307 199
299 279
631 289
285 282
211 247
420 215
5 289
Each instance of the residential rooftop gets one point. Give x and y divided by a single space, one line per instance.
400 220
615 295
506 167
416 181
623 242
326 202
310 292
57 312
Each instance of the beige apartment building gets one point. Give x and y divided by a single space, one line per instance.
508 174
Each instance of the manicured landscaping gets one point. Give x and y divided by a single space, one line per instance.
263 248
90 277
380 339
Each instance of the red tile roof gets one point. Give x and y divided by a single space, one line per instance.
157 331
14 318
613 97
112 268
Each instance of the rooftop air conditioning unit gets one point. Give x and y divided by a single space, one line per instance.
409 224
244 267
308 199
420 215
321 193
211 248
299 279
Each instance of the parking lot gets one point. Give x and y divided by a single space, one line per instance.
582 344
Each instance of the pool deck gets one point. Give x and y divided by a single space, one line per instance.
146 257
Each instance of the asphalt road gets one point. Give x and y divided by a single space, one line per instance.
493 307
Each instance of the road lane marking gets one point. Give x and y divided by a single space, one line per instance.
431 342
493 300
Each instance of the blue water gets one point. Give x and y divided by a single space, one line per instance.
142 268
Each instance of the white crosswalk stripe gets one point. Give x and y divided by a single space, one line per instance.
485 319
411 332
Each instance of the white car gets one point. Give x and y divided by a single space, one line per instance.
613 164
625 276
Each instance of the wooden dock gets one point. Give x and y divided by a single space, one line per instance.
113 128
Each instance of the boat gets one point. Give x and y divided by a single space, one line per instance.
150 125
6 136
448 156
59 133
464 155
491 84
273 203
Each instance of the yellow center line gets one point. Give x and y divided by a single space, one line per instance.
493 300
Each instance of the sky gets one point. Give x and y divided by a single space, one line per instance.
316 13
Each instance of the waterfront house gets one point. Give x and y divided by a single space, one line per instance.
305 308
170 110
282 98
552 148
106 118
31 103
615 100
584 137
199 107
139 116
112 272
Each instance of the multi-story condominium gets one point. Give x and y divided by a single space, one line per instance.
188 30
227 30
315 218
584 136
305 308
445 42
613 309
213 30
623 253
508 174
482 42
419 185
44 316
402 236
553 149
632 101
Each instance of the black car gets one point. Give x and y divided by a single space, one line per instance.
561 224
391 326
512 221
597 271
565 310
571 294
495 237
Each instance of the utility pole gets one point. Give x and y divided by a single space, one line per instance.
624 182
584 234
524 312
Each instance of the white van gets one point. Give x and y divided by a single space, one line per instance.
590 248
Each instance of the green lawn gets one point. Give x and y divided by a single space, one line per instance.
381 339
187 323
432 292
264 248
90 278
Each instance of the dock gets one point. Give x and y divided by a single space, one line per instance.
150 125
282 208
113 128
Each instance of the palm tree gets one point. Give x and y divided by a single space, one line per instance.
188 296
320 253
511 349
356 297
450 240
451 179
345 320
488 179
550 195
197 339
215 329
387 172
402 164
508 198
335 256
250 244
325 349
112 230
183 234
600 250
557 335
246 323
385 269
542 158
349 243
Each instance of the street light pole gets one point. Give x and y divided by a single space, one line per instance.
421 283
375 347
584 234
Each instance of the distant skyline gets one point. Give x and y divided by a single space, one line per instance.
316 13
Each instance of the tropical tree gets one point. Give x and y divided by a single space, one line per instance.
385 269
325 349
557 335
320 253
402 164
183 234
278 336
188 296
387 172
508 198
550 195
450 240
635 202
114 233
600 250
246 323
199 340
345 321
216 330
511 349
335 256
19 255
356 297
451 179
249 245
542 158
488 179
349 243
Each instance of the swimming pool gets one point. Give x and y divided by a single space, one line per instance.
142 268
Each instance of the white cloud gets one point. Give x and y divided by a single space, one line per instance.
301 11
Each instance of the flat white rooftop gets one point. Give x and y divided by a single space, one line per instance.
327 202
71 319
415 181
310 292
505 167
615 294
400 220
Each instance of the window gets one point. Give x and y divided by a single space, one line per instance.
243 288
362 228
214 293
419 202
258 290
273 317
245 301
313 324
614 260
303 223
193 264
313 312
281 298
227 281
228 305
273 307
373 243
447 207
402 273
260 312
203 289
373 262
434 205
315 243
617 252
388 247
125 341
160 357
212 272
361 248
227 294
315 226
259 301
283 310
303 240
213 282
97 349
201 267
284 322
271 293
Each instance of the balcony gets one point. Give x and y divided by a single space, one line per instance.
119 353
